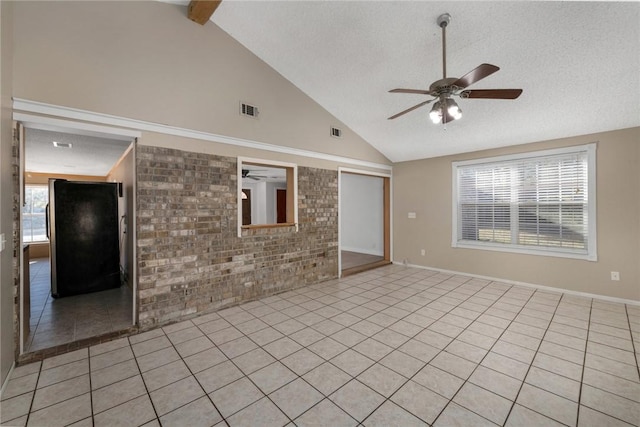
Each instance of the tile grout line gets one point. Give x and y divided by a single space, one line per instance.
633 345
584 362
135 358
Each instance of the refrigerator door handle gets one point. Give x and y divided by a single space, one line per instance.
46 219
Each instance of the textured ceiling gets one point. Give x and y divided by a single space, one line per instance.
577 62
89 155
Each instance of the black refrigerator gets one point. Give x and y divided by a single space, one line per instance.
82 227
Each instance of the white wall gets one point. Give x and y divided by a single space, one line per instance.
362 214
7 347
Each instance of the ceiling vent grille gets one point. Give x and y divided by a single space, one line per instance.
336 133
248 110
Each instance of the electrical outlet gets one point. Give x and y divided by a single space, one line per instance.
423 252
615 275
411 215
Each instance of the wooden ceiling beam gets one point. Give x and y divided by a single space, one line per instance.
200 11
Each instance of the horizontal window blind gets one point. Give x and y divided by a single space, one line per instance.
536 201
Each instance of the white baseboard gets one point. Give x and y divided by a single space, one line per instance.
362 251
529 285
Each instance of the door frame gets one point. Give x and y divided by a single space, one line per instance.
387 189
30 121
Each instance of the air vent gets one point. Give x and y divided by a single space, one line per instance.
336 133
248 110
62 144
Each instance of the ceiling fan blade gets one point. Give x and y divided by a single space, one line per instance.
477 74
409 109
491 93
420 91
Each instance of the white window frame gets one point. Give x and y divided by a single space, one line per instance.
590 254
273 163
31 214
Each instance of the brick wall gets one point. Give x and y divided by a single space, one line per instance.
190 259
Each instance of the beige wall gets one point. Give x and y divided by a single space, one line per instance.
7 348
147 61
424 187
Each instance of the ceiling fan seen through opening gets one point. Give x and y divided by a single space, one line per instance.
445 109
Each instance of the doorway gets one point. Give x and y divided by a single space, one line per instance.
66 153
365 221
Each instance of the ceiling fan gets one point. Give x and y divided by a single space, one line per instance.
246 172
445 109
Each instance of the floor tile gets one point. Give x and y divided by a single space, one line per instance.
218 376
196 345
109 358
454 364
199 413
390 414
165 375
20 385
150 346
496 382
15 407
295 398
327 348
205 359
455 415
357 399
352 362
611 404
261 413
272 377
117 393
302 361
325 413
420 401
382 379
63 372
587 417
253 360
282 348
466 351
183 335
63 413
612 367
554 383
506 365
235 396
306 336
134 412
419 350
348 337
60 391
65 358
158 358
237 347
483 402
548 404
374 350
327 378
174 395
521 416
437 380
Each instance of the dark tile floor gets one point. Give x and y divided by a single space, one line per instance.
60 321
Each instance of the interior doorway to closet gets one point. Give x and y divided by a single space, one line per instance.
365 221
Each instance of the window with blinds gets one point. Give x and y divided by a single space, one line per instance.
542 203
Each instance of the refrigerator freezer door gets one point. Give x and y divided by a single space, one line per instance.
83 237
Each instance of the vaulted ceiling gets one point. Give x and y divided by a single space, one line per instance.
577 62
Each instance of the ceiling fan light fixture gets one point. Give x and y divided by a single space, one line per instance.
453 109
436 113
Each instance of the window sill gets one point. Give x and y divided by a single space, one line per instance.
260 226
547 251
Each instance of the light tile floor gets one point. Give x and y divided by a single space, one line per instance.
63 320
395 346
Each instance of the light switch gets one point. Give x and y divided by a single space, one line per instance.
412 215
3 242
